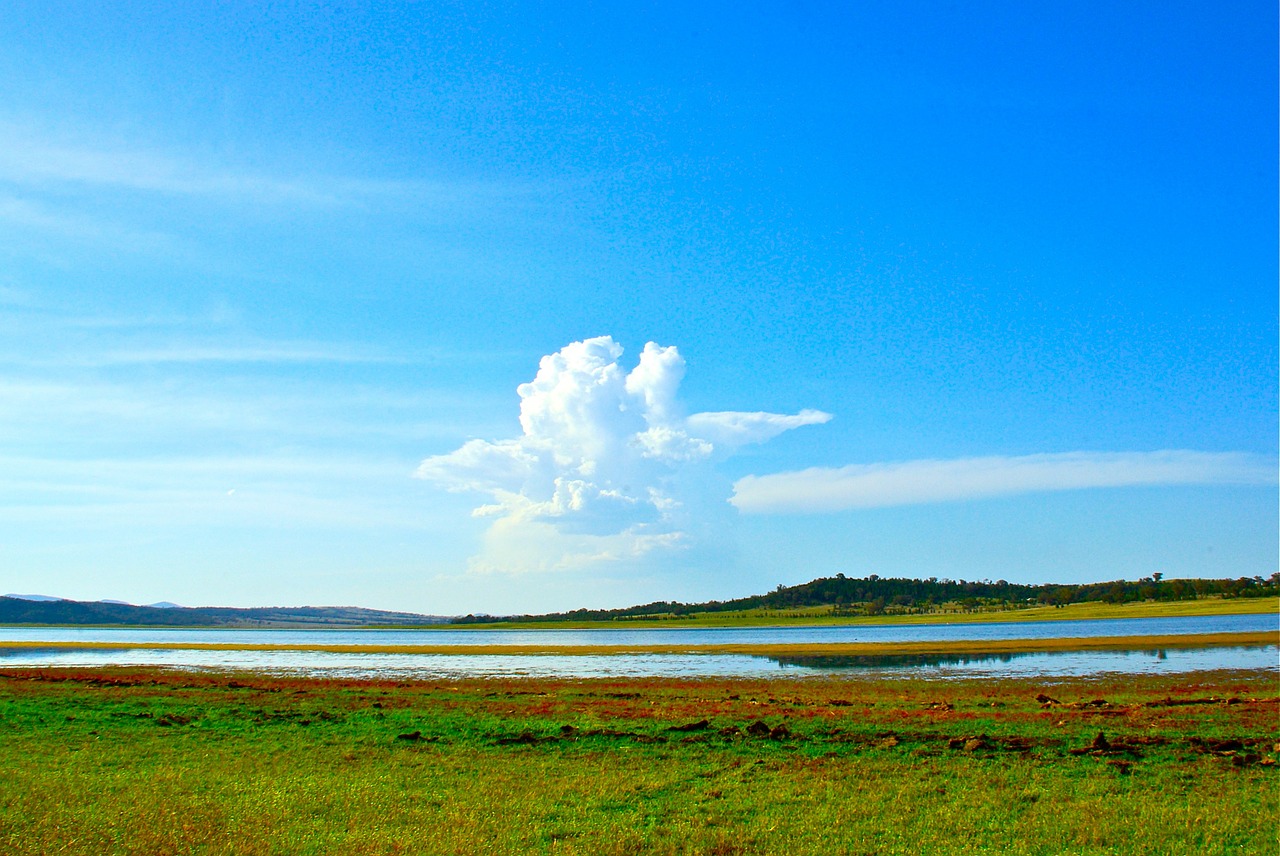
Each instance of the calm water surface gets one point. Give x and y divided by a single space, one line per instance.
665 636
462 664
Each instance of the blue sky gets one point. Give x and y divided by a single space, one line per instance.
353 306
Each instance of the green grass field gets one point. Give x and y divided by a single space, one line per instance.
149 762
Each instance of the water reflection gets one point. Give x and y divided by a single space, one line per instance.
462 665
1045 663
1231 657
828 663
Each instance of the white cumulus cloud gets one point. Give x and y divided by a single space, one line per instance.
925 481
596 473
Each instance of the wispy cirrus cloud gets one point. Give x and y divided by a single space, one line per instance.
31 159
277 352
86 340
271 491
26 215
819 489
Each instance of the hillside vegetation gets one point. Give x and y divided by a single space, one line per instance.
827 598
841 596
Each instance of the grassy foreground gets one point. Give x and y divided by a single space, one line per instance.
152 762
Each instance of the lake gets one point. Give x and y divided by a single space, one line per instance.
462 664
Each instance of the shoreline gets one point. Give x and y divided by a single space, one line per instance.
996 646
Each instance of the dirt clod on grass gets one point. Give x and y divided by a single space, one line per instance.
700 725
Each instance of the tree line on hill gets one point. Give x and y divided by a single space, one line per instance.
15 610
874 595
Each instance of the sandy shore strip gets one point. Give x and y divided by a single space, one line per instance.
984 646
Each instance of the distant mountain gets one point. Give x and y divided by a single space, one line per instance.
165 604
38 609
37 597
